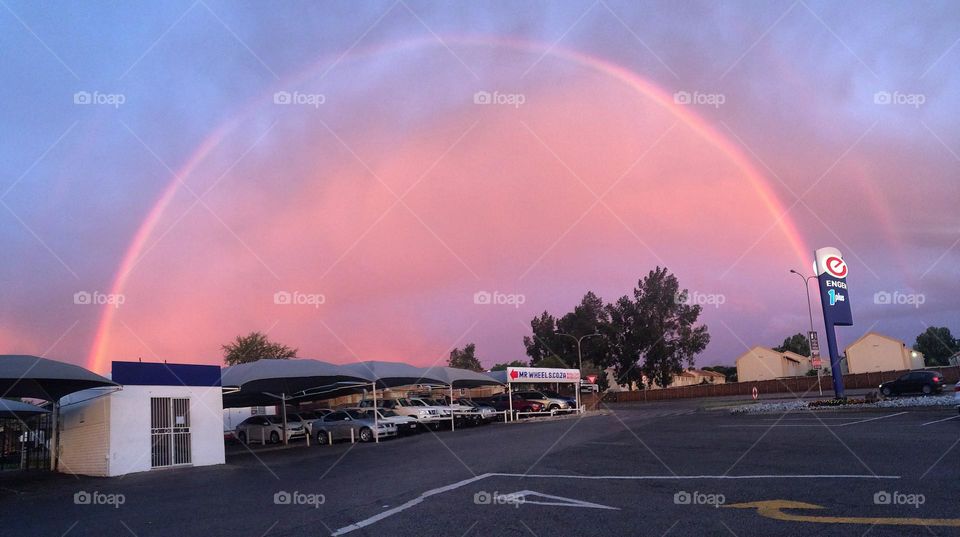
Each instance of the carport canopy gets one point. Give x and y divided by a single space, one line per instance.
392 374
23 375
266 381
19 410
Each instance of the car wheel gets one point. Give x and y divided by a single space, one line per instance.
927 389
554 408
242 437
274 437
886 392
322 438
366 435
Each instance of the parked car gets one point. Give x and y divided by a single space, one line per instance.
307 417
338 426
425 415
268 428
405 424
569 399
502 402
548 402
925 382
486 412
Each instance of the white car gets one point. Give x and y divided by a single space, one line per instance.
405 407
404 424
268 429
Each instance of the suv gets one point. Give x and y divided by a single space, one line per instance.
925 382
268 429
404 407
549 402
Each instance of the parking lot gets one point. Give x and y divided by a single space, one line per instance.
645 469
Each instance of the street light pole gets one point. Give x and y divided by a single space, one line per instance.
806 286
579 341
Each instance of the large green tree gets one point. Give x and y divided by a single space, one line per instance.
544 341
465 359
796 343
255 346
937 345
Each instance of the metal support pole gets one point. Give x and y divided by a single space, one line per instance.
510 398
376 415
453 420
283 401
55 438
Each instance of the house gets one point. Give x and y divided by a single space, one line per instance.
761 363
163 415
695 377
877 352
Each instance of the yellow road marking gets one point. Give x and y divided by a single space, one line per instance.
774 509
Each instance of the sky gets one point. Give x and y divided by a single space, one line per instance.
390 180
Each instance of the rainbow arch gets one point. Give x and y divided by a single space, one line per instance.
97 359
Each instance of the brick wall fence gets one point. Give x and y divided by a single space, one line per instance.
797 385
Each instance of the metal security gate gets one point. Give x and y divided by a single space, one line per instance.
169 431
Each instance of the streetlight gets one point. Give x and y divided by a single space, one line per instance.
806 286
579 341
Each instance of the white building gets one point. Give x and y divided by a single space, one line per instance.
761 363
877 352
164 415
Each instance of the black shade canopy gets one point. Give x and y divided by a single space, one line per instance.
19 410
41 378
462 378
391 374
264 381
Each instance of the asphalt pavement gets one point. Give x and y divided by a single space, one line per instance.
671 468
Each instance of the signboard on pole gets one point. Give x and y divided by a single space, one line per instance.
832 274
814 343
542 374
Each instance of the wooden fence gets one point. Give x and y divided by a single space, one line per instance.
794 385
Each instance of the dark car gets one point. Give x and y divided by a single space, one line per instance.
501 402
925 382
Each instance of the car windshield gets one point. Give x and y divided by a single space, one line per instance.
555 395
274 419
355 414
418 402
402 402
387 413
432 402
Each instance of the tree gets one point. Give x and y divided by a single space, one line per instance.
668 326
937 345
544 342
255 346
587 318
465 359
626 339
796 343
504 366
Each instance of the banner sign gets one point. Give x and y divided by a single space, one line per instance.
832 273
542 374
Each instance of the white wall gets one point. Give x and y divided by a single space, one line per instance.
111 435
84 437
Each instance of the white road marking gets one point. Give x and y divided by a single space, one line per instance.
938 421
857 422
558 501
441 490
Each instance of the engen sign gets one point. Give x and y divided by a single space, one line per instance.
832 274
542 374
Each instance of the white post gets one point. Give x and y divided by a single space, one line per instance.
577 388
283 401
352 439
376 416
510 398
453 421
263 440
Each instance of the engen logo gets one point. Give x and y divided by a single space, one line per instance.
835 267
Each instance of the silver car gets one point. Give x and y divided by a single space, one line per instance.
350 424
269 428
